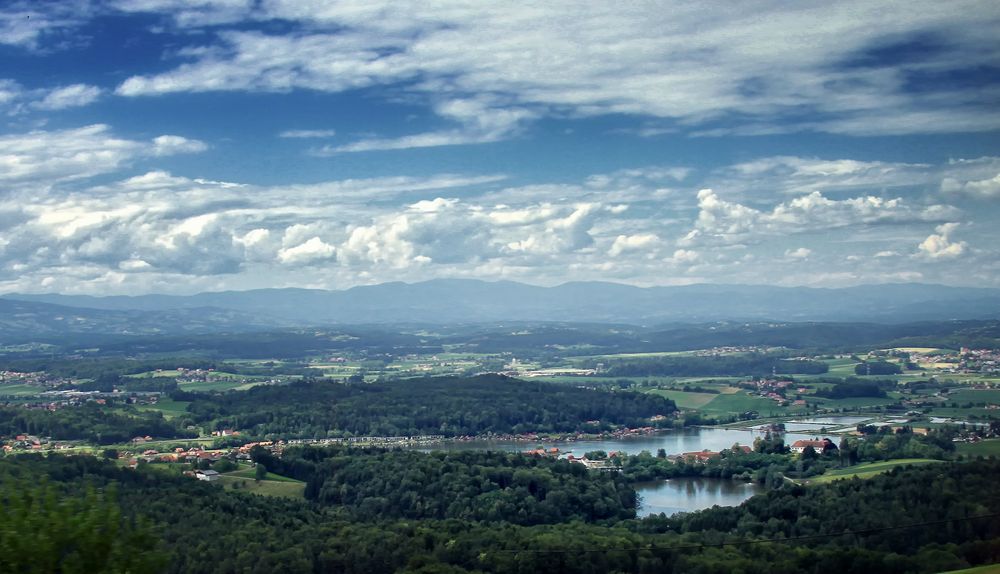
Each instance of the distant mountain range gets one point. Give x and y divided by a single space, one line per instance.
455 301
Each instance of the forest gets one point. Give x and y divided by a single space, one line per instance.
450 406
468 485
910 520
726 365
88 422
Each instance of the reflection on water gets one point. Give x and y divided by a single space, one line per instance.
690 494
817 423
674 442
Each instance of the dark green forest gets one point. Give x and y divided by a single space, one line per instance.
726 365
911 520
469 485
450 406
89 422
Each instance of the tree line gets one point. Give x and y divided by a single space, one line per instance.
910 520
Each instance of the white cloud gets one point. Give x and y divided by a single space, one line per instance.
799 253
798 175
722 221
25 24
172 145
681 63
47 157
306 134
978 178
684 256
157 231
939 245
315 249
638 242
72 96
479 123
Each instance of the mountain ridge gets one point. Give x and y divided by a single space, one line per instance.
445 301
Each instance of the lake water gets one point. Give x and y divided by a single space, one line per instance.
690 494
669 496
816 423
674 442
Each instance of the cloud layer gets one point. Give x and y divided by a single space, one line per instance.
71 223
850 68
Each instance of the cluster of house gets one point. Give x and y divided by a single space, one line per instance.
179 454
818 445
729 350
35 379
981 361
774 390
31 443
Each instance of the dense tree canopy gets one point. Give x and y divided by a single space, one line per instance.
203 528
451 406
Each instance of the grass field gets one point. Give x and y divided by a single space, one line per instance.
249 473
19 390
975 396
841 367
741 402
686 400
869 469
982 448
169 407
987 569
225 385
285 488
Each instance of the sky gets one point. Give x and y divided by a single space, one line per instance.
168 146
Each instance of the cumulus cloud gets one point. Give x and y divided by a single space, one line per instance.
156 230
684 256
558 234
799 253
315 249
978 178
939 245
172 145
680 63
625 243
722 221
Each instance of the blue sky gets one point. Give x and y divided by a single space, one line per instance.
169 146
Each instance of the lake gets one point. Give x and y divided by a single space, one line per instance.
817 423
673 441
690 494
667 496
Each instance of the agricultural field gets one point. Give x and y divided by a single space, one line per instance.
740 402
169 407
273 484
19 390
686 400
227 384
975 396
841 367
286 488
982 448
868 470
